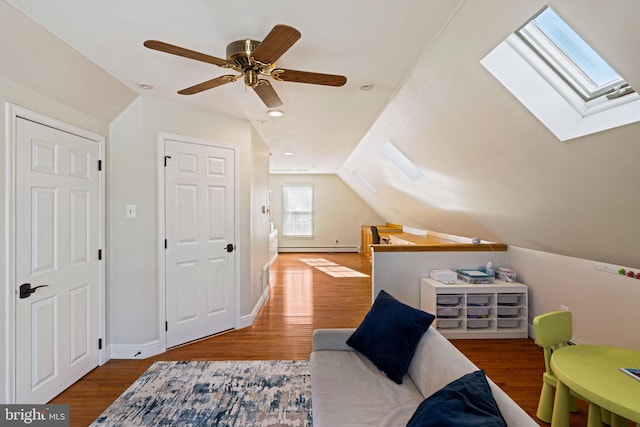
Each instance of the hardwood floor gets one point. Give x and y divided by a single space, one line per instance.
302 299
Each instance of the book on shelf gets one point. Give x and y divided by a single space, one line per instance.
632 372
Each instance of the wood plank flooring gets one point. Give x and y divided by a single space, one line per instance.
303 298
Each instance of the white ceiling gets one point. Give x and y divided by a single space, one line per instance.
367 41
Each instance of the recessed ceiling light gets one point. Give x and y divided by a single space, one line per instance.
275 113
144 86
366 86
288 153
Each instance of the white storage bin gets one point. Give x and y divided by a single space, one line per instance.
473 312
478 299
478 323
509 323
508 311
508 299
448 299
449 311
448 323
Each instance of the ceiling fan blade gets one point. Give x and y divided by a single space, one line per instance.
209 84
186 53
277 42
268 94
308 77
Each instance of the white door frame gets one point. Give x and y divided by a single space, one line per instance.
162 138
12 113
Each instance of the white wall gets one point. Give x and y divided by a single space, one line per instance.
604 305
134 315
399 273
259 219
338 212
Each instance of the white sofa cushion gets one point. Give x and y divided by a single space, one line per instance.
436 363
348 390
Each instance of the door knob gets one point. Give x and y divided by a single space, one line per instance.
26 290
230 247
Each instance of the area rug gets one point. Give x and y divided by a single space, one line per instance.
215 393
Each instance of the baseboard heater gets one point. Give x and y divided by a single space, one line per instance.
333 248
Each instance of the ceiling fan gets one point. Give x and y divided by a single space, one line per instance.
252 59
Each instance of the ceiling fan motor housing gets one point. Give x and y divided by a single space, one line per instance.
239 52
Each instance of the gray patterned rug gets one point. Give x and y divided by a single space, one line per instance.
226 393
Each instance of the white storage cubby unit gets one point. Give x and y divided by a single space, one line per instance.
463 310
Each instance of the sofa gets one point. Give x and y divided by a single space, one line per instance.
347 389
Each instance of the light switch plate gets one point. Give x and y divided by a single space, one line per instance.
131 211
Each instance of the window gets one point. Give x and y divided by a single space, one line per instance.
566 86
297 212
571 57
400 160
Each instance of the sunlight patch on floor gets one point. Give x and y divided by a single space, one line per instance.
331 268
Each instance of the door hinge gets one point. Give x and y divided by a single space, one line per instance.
99 254
99 165
165 243
99 343
165 160
166 326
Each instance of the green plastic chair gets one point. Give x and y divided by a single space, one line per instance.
553 330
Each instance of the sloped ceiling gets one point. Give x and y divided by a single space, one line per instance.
33 57
490 168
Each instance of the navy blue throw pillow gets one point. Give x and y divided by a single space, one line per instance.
465 402
389 335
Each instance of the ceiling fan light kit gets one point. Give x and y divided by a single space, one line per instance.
253 59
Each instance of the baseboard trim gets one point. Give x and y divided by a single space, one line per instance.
143 351
246 321
329 249
134 351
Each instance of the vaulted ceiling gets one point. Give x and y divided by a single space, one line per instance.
490 169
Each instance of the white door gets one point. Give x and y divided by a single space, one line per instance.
200 261
57 238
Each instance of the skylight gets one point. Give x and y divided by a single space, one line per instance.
400 160
364 181
571 57
563 82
